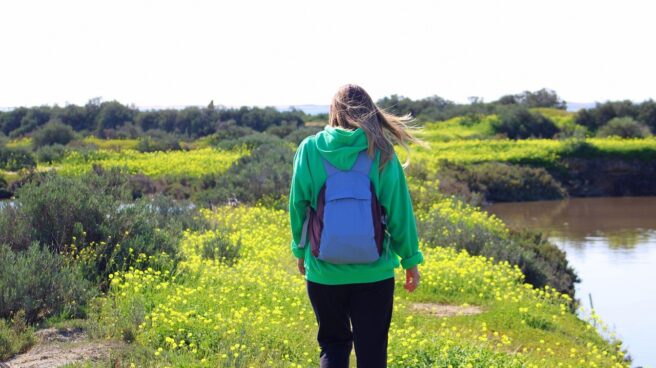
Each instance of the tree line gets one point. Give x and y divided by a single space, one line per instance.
111 119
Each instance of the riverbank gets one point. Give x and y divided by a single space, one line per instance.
487 171
611 243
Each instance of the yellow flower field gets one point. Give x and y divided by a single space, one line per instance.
194 163
255 313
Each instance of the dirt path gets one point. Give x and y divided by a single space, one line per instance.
445 310
58 347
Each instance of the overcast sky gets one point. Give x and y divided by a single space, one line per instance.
174 53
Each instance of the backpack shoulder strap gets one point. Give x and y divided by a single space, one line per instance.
363 163
330 169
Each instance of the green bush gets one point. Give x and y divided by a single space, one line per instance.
14 159
282 130
41 283
59 208
520 123
158 141
50 154
265 174
15 336
541 262
54 132
624 127
15 228
134 237
250 141
501 182
579 148
92 220
220 248
229 130
297 136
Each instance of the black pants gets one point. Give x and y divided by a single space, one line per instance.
367 307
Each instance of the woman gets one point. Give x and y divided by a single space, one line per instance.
355 294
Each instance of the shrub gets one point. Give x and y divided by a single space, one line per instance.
59 208
265 174
54 132
158 141
624 127
540 261
250 141
41 283
134 238
91 220
15 228
520 123
228 130
503 182
297 136
282 130
219 247
579 148
15 336
50 154
14 159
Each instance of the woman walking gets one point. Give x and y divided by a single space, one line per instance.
351 220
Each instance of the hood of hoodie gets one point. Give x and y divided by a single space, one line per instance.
340 146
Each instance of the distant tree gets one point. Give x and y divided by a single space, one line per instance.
602 113
586 118
35 117
11 120
507 100
520 123
647 114
77 117
148 120
541 98
54 132
112 115
624 127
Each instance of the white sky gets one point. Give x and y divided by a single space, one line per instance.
241 52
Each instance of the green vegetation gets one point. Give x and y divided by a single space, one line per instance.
624 127
520 123
94 219
16 336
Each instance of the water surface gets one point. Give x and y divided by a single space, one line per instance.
611 243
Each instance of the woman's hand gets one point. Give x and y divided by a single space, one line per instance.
301 265
411 279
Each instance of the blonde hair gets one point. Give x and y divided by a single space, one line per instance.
352 108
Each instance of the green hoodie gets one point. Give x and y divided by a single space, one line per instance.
341 147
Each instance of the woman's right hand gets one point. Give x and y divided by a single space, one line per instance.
300 262
411 279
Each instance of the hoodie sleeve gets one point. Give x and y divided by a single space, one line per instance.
299 197
401 224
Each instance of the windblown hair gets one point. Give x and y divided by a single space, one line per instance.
352 108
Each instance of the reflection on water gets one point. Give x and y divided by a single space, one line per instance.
611 242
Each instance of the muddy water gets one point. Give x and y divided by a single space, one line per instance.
611 242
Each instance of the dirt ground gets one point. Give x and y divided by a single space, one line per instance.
58 347
445 310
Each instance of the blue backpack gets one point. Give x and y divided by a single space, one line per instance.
349 224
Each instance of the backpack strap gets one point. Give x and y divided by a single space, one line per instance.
362 165
304 232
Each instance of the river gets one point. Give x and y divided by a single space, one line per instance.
611 242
